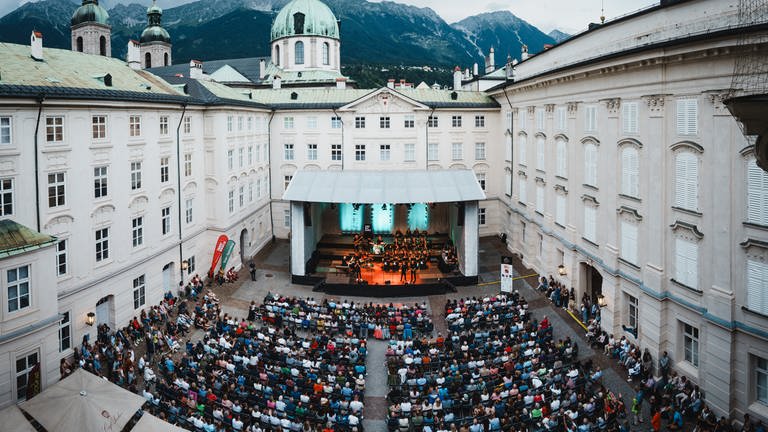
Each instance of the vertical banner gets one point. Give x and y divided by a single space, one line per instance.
228 248
507 274
220 243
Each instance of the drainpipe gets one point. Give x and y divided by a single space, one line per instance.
426 155
178 188
335 114
269 172
40 99
511 144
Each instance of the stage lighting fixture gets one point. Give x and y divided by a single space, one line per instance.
383 207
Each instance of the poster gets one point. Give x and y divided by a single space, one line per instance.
507 274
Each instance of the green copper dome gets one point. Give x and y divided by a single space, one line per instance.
90 12
154 31
305 17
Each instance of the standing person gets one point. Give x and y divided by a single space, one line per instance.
414 266
252 268
656 420
664 365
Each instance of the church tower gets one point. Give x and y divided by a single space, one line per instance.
305 37
155 42
90 32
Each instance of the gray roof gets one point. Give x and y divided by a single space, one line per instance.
248 67
16 238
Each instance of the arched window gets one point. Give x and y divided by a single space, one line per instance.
277 55
687 181
299 47
165 59
757 194
562 159
590 164
79 44
147 60
630 172
103 46
326 53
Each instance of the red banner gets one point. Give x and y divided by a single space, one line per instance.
220 243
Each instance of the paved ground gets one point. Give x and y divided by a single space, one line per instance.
273 277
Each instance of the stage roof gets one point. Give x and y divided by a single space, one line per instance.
390 187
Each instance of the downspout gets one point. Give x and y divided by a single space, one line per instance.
269 172
511 145
426 154
335 114
178 187
40 99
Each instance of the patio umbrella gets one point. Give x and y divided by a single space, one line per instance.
83 402
150 423
13 420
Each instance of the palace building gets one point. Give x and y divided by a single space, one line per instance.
610 161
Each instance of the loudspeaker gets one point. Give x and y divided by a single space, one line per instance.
307 214
460 219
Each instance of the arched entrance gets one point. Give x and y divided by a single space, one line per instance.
245 240
105 311
591 283
167 277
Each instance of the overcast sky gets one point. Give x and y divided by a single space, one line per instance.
568 15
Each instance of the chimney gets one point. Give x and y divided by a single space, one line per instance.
524 54
36 42
457 78
196 69
391 83
474 70
490 64
341 83
134 55
262 69
277 82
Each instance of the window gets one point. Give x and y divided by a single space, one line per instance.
137 231
457 151
326 54
230 159
6 197
541 246
277 55
508 117
288 151
590 119
239 123
100 182
287 218
560 209
409 122
102 244
456 121
335 152
590 164
632 309
18 288
288 123
540 156
241 196
480 151
384 122
139 292
65 332
250 155
562 158
630 172
432 151
134 126
188 210
523 149
231 201
687 116
99 127
299 52
522 119
258 188
384 152
54 129
562 122
687 181
691 344
191 265
135 175
629 242
335 122
410 152
479 121
432 122
757 194
359 122
24 366
523 231
629 117
757 280
164 166
240 157
163 125
360 152
481 180
687 262
761 379
56 190
311 151
508 182
250 123
5 130
257 153
540 198
61 258
311 122
523 190
230 123
590 223
540 119
188 125
481 216
250 191
165 220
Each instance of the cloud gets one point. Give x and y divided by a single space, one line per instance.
496 6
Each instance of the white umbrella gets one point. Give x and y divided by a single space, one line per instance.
83 402
150 423
13 420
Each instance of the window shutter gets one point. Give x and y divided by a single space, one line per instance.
561 158
692 117
589 223
523 150
560 209
629 242
757 194
508 183
540 143
630 171
686 181
629 117
561 118
523 190
757 280
687 262
590 162
540 198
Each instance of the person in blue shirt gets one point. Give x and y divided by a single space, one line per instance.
677 419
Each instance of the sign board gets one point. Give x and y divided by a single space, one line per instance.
507 274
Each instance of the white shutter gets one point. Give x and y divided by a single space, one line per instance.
540 198
590 164
589 223
523 150
560 209
687 116
540 160
590 119
508 183
561 159
561 118
629 117
757 194
523 190
630 171
521 117
540 119
629 242
687 262
686 181
757 281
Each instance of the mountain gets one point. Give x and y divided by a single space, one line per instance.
558 35
503 31
382 35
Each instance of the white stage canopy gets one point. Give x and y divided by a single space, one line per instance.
13 420
150 423
392 187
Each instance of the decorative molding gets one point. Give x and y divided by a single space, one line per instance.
687 226
561 136
550 109
58 220
103 209
531 110
630 141
573 108
540 180
687 144
630 211
590 139
750 242
716 98
590 198
613 106
561 188
656 104
522 173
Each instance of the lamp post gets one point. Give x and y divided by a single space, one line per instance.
90 319
601 300
561 270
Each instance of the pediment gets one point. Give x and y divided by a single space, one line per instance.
384 100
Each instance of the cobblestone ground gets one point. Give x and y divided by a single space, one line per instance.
272 277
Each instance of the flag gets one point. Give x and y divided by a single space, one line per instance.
220 243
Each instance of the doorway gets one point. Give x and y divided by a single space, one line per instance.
167 276
244 243
105 311
592 283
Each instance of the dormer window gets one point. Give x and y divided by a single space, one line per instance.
298 23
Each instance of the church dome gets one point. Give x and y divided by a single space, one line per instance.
154 31
305 17
90 12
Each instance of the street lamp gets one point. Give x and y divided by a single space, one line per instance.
601 300
90 319
561 270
